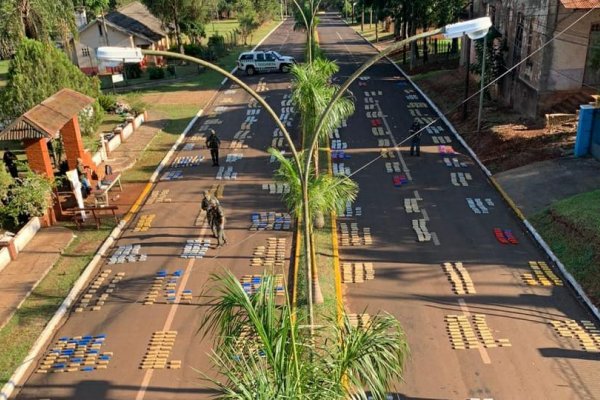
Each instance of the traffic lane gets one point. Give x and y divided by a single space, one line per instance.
521 253
361 185
240 199
436 185
156 314
419 294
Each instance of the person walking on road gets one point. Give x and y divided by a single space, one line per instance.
415 138
213 142
10 160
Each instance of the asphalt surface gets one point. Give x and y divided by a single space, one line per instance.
410 281
125 321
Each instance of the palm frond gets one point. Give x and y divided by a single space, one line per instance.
371 357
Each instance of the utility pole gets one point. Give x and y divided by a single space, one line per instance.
370 17
483 57
467 64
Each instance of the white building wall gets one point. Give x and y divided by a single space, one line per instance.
570 50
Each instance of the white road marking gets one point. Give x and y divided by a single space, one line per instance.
170 317
485 357
387 126
346 46
425 216
435 239
417 196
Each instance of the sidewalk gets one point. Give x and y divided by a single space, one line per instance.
536 186
21 276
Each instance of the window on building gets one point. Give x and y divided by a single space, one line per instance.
100 29
518 43
85 52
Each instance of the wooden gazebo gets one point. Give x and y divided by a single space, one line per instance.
52 118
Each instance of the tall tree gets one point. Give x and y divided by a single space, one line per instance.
37 71
311 92
247 17
180 14
35 19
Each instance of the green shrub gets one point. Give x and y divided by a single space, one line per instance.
194 50
217 43
156 73
107 102
136 104
133 71
30 198
171 70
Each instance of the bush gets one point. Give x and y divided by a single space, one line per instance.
133 71
107 102
29 198
217 43
156 73
171 70
136 105
194 50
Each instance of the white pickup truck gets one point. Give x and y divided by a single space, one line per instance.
264 61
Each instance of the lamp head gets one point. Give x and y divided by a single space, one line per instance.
474 29
119 54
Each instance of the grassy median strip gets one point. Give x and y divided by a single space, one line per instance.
19 334
571 227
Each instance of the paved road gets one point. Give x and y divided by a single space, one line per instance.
127 323
410 280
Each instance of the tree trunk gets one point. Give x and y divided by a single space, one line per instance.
316 289
318 220
177 30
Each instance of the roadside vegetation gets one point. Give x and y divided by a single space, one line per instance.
571 227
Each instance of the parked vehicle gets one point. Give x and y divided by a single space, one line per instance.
252 62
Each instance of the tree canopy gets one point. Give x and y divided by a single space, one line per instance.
35 19
37 71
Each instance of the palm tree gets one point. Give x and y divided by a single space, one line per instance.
262 352
326 194
311 92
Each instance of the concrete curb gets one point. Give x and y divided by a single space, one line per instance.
538 238
80 284
233 71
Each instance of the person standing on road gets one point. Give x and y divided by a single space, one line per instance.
415 138
10 160
218 224
213 142
206 204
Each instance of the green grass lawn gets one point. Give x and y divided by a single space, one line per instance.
3 72
179 116
572 229
222 27
17 337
